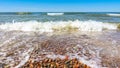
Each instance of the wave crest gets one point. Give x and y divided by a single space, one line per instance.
55 14
113 14
61 26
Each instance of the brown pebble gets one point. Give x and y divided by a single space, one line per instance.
56 63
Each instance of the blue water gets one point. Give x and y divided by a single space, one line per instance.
9 17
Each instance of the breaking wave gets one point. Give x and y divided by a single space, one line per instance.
55 14
113 14
61 26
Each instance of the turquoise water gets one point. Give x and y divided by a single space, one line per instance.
66 16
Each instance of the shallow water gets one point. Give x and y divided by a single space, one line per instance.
100 49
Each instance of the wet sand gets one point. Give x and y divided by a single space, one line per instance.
96 50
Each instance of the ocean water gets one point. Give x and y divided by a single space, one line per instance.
110 17
91 37
49 22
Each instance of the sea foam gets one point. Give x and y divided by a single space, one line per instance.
113 14
53 26
55 14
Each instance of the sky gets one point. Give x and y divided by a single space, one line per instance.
59 5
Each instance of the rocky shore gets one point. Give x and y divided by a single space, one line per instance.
25 50
56 63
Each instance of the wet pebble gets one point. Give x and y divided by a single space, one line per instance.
56 63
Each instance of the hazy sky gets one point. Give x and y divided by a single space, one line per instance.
59 5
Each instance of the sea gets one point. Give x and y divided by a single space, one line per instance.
108 17
47 21
91 37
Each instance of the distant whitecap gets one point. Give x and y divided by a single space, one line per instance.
55 14
113 14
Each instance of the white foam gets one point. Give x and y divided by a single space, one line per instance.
59 26
53 56
92 63
93 60
25 58
113 14
55 14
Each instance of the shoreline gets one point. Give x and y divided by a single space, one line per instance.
92 49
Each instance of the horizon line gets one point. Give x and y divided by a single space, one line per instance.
61 11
